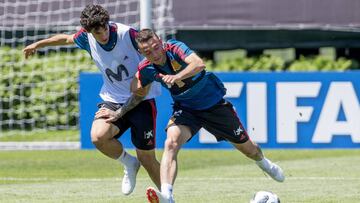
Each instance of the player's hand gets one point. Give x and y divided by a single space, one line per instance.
162 76
170 80
107 114
29 50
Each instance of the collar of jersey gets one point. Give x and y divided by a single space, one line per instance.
112 39
166 68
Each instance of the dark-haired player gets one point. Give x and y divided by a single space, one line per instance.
113 49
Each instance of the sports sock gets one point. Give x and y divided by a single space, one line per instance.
126 159
264 163
166 190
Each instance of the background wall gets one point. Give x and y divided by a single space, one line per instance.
279 110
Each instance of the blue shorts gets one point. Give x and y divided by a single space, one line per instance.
141 120
220 120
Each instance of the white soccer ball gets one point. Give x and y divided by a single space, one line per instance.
265 197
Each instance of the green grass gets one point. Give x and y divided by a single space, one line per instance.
313 176
56 135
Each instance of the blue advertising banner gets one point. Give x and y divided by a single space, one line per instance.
279 110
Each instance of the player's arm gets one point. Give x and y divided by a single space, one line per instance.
136 86
56 40
138 95
195 65
131 103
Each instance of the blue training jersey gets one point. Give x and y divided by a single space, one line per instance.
198 92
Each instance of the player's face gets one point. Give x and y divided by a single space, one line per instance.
153 51
101 34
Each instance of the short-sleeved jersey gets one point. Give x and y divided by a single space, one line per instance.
198 92
117 60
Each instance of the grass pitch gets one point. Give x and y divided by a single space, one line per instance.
204 176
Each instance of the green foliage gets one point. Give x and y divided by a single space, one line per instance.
320 63
40 92
275 63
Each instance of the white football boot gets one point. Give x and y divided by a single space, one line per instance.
274 171
155 196
129 179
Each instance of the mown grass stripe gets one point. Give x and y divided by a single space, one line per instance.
39 145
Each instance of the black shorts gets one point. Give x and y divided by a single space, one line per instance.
220 120
141 120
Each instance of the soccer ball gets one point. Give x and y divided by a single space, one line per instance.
265 197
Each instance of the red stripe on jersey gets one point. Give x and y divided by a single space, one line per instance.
143 64
154 113
82 30
113 27
133 33
176 49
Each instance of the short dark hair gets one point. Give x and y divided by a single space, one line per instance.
144 35
94 17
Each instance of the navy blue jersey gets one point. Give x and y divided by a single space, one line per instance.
81 38
198 92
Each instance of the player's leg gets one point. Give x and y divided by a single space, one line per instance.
143 134
230 128
249 149
177 135
104 137
148 160
253 151
181 127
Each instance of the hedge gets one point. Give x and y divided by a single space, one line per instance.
42 92
274 63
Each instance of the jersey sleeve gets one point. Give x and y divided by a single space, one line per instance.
81 40
133 34
179 49
147 74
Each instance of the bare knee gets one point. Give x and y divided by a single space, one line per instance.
102 132
99 137
171 144
176 137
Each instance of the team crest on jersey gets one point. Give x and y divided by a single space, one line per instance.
175 65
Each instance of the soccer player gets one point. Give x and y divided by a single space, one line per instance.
113 49
198 102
